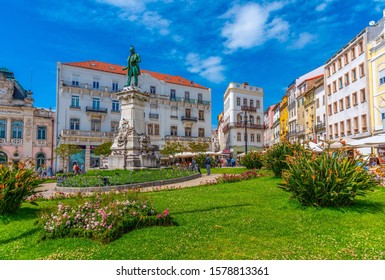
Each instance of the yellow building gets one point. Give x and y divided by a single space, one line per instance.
310 107
376 85
283 119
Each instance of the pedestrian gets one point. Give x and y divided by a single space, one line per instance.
82 168
195 166
75 168
233 162
208 164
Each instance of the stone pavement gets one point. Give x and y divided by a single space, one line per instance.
48 189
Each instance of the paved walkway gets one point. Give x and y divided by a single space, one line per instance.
48 189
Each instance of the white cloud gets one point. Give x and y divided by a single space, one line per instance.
209 68
302 40
248 26
323 6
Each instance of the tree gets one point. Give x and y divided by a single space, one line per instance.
197 147
103 149
171 148
64 151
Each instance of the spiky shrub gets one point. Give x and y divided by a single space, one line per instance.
326 179
17 183
275 158
252 160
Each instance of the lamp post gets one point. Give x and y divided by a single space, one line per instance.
245 121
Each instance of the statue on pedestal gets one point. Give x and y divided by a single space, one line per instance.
132 67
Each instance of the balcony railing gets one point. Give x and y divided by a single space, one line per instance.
292 105
189 100
189 118
176 99
320 126
187 138
173 117
203 102
88 86
85 133
248 108
154 116
97 110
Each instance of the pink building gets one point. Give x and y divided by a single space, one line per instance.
268 119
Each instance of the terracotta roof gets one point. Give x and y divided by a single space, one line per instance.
117 69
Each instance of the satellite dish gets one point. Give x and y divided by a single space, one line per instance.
371 23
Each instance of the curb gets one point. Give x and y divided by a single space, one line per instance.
128 186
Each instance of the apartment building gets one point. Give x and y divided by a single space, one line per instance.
283 119
26 132
88 110
275 128
268 119
243 118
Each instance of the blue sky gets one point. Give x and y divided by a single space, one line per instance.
213 42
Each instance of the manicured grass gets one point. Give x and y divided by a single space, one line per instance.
246 220
225 170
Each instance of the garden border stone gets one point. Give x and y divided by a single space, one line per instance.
129 186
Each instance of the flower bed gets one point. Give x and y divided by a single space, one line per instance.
104 217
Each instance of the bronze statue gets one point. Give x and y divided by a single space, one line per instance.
132 67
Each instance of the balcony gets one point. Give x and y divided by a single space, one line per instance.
16 141
174 117
175 99
75 107
77 86
187 138
96 110
248 108
85 133
292 105
203 102
189 100
41 143
189 119
320 126
153 116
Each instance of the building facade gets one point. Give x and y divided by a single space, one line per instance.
88 111
26 132
268 119
243 118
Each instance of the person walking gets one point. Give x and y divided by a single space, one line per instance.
208 164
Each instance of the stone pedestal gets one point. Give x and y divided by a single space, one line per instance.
131 149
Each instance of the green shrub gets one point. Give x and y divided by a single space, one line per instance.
252 160
326 179
275 157
17 183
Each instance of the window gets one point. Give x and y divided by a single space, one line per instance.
3 157
172 94
114 126
115 86
188 113
340 83
361 70
339 63
330 110
258 138
95 84
152 89
334 86
201 115
363 123
346 79
96 125
96 103
201 132
362 95
333 68
335 108
346 58
75 101
17 129
347 101
174 130
360 47
75 80
258 120
355 125
353 52
336 130
258 104
40 160
323 100
187 131
354 74
317 103
244 102
115 106
341 104
238 101
41 133
252 138
354 97
329 89
381 76
342 128
74 124
251 103
330 131
238 136
150 129
187 96
3 129
200 98
156 129
328 71
348 127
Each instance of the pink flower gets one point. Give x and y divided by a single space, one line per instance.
159 216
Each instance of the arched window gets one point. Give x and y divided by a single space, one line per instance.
3 158
251 119
40 160
239 118
258 120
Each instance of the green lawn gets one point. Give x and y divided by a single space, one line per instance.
225 170
246 220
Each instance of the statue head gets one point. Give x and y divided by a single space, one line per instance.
132 49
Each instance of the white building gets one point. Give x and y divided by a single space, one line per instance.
275 129
88 111
243 105
320 111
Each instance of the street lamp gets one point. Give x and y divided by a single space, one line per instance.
245 122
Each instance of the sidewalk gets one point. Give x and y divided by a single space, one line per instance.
48 189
